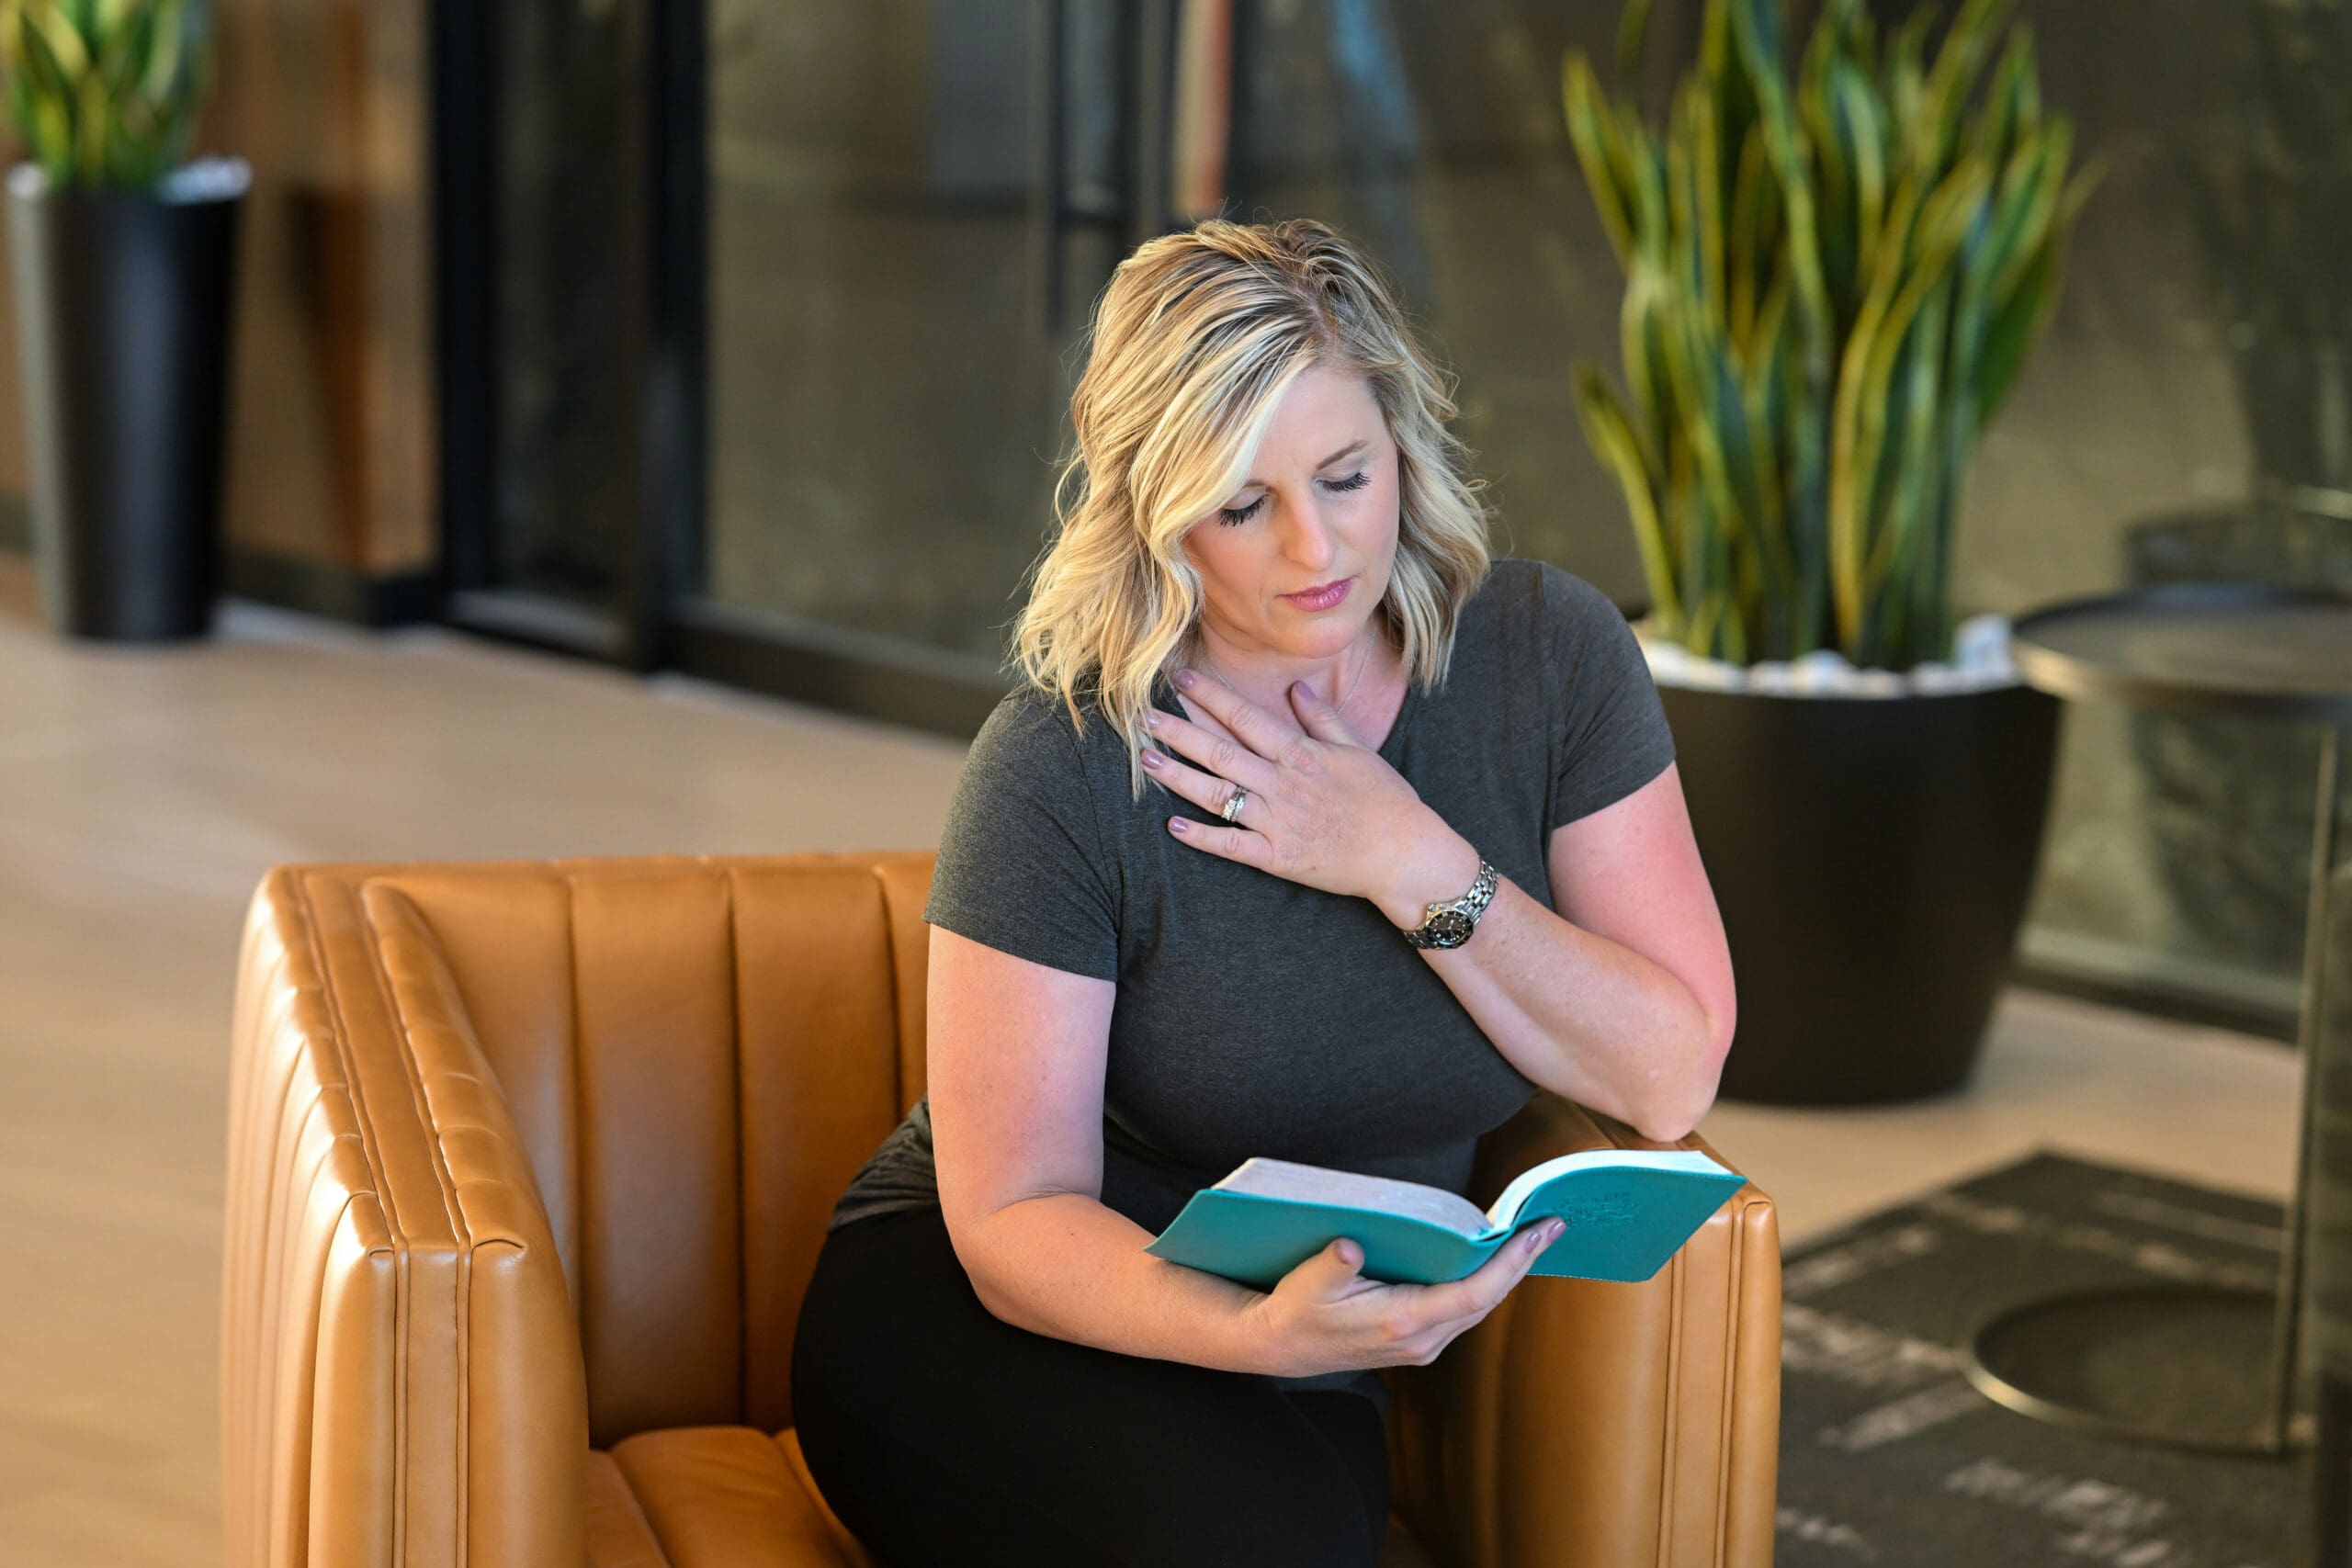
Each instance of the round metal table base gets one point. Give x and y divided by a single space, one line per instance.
2187 1366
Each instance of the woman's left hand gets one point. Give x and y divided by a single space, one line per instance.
1324 809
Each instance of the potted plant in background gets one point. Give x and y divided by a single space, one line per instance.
122 263
1833 275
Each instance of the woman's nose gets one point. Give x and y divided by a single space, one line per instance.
1307 538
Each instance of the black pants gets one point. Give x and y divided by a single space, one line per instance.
942 1434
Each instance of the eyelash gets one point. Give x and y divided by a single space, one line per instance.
1232 519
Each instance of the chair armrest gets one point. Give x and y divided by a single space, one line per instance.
400 1369
1590 1421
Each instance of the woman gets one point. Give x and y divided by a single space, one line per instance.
1314 834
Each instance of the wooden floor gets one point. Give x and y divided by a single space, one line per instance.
144 791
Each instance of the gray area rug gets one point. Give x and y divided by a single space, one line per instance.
1889 1455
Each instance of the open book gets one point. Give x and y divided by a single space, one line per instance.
1627 1211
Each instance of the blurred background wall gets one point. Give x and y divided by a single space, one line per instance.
736 336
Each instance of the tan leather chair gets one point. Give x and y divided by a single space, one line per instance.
530 1162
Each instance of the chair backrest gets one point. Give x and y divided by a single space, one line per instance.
697 1052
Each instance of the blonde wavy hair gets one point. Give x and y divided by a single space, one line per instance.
1193 343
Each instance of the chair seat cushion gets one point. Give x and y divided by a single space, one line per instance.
734 1498
711 1497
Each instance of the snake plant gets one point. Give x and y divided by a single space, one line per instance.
1832 277
105 92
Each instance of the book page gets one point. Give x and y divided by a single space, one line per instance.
1319 1184
1504 1214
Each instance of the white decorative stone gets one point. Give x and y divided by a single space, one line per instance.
1980 662
207 179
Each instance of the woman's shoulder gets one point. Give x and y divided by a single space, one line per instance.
1530 604
1033 736
1026 714
1030 716
1549 587
1028 729
1022 862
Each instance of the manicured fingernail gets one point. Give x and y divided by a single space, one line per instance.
1553 1232
1178 825
1151 719
1184 678
1152 759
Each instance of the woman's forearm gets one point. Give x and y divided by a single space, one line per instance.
1065 1265
1586 1017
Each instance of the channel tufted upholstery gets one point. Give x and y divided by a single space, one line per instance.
530 1160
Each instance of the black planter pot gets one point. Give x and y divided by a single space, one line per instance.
123 316
1871 858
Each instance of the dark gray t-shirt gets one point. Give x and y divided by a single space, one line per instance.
1256 1016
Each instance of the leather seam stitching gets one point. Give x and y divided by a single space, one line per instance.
742 1160
421 1101
1733 1323
371 1150
580 1164
273 1207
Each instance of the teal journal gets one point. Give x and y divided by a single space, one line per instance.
1627 1212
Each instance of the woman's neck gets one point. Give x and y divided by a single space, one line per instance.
1342 682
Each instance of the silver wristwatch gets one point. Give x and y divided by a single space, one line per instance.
1450 924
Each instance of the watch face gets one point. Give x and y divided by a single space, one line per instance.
1449 929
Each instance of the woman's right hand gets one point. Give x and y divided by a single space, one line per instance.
1323 1316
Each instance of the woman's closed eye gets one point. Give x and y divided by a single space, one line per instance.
1232 514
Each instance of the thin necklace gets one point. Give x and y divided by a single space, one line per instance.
1343 701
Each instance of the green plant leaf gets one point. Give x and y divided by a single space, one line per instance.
2012 105
63 37
1862 143
1904 82
1864 392
1756 27
1642 333
1687 358
1589 132
1693 208
1633 25
1752 210
2020 317
1611 436
105 92
1645 178
1953 74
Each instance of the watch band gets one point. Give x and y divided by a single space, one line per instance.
1449 924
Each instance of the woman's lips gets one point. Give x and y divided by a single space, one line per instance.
1323 600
